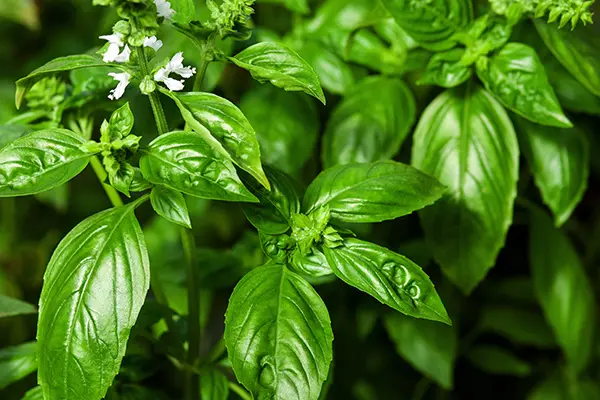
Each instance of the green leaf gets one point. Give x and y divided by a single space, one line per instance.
367 49
287 126
17 362
185 11
94 288
370 124
371 192
53 67
213 385
183 161
518 325
446 70
34 394
10 307
10 133
278 335
272 215
516 76
170 204
22 11
561 386
563 289
560 162
431 23
391 278
282 66
466 140
40 161
429 347
121 123
496 360
313 265
228 126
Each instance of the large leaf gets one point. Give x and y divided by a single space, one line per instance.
517 325
516 76
278 335
17 362
184 161
466 141
563 289
94 288
370 124
496 360
213 385
41 161
371 192
391 278
280 65
428 346
10 307
170 204
560 162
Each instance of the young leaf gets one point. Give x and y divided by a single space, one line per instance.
213 385
94 288
466 140
41 161
563 289
517 325
282 66
391 278
34 394
371 192
17 362
516 76
185 11
10 307
560 162
312 265
278 335
496 360
170 204
120 123
371 122
367 49
431 348
444 69
183 161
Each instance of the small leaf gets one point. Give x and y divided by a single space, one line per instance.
213 385
17 362
445 69
123 178
283 67
10 307
517 325
185 11
496 360
34 394
391 278
121 122
170 204
313 265
371 192
367 49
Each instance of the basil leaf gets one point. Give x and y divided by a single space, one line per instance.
185 11
213 385
22 11
391 278
429 347
370 124
272 215
170 204
445 69
431 23
571 311
34 394
17 362
183 161
560 386
282 66
345 16
40 161
560 162
518 325
516 76
287 126
55 66
121 122
85 318
371 192
10 133
496 360
367 49
228 125
466 140
278 335
10 307
313 265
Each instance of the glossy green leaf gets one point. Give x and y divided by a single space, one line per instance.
367 49
278 335
446 70
40 161
312 265
228 125
563 289
34 394
391 278
345 16
55 66
516 76
560 162
466 140
429 347
280 65
185 11
170 204
9 133
287 126
496 360
10 307
517 325
213 385
94 287
371 192
120 123
431 23
183 161
370 124
17 362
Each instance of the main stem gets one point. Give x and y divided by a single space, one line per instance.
111 192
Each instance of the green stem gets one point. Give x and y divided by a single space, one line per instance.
239 391
157 108
111 192
207 57
187 240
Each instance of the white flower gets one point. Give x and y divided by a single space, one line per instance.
113 53
123 79
174 66
153 42
164 9
124 56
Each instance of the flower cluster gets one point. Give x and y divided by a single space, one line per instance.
230 16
